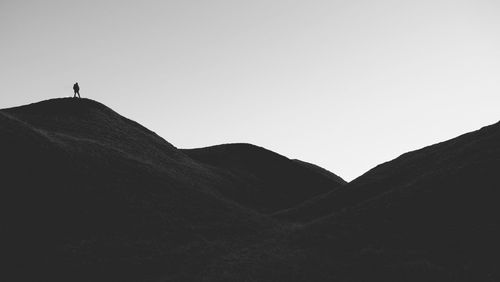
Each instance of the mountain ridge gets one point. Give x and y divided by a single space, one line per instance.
90 195
265 170
88 192
425 154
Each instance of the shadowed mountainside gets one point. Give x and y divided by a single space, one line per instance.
87 191
322 171
89 195
258 171
433 212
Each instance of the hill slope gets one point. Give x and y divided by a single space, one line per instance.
91 196
88 193
462 153
431 214
265 180
81 183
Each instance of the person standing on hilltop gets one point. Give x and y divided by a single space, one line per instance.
76 88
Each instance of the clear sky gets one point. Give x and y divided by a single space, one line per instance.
342 84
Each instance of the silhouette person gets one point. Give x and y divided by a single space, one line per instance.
76 88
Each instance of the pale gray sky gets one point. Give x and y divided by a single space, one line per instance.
342 84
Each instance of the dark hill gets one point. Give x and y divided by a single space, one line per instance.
85 119
429 215
328 174
434 161
265 180
87 193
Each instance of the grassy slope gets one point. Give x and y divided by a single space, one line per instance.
86 190
264 180
429 215
428 163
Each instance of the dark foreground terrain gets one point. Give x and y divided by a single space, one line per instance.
89 195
